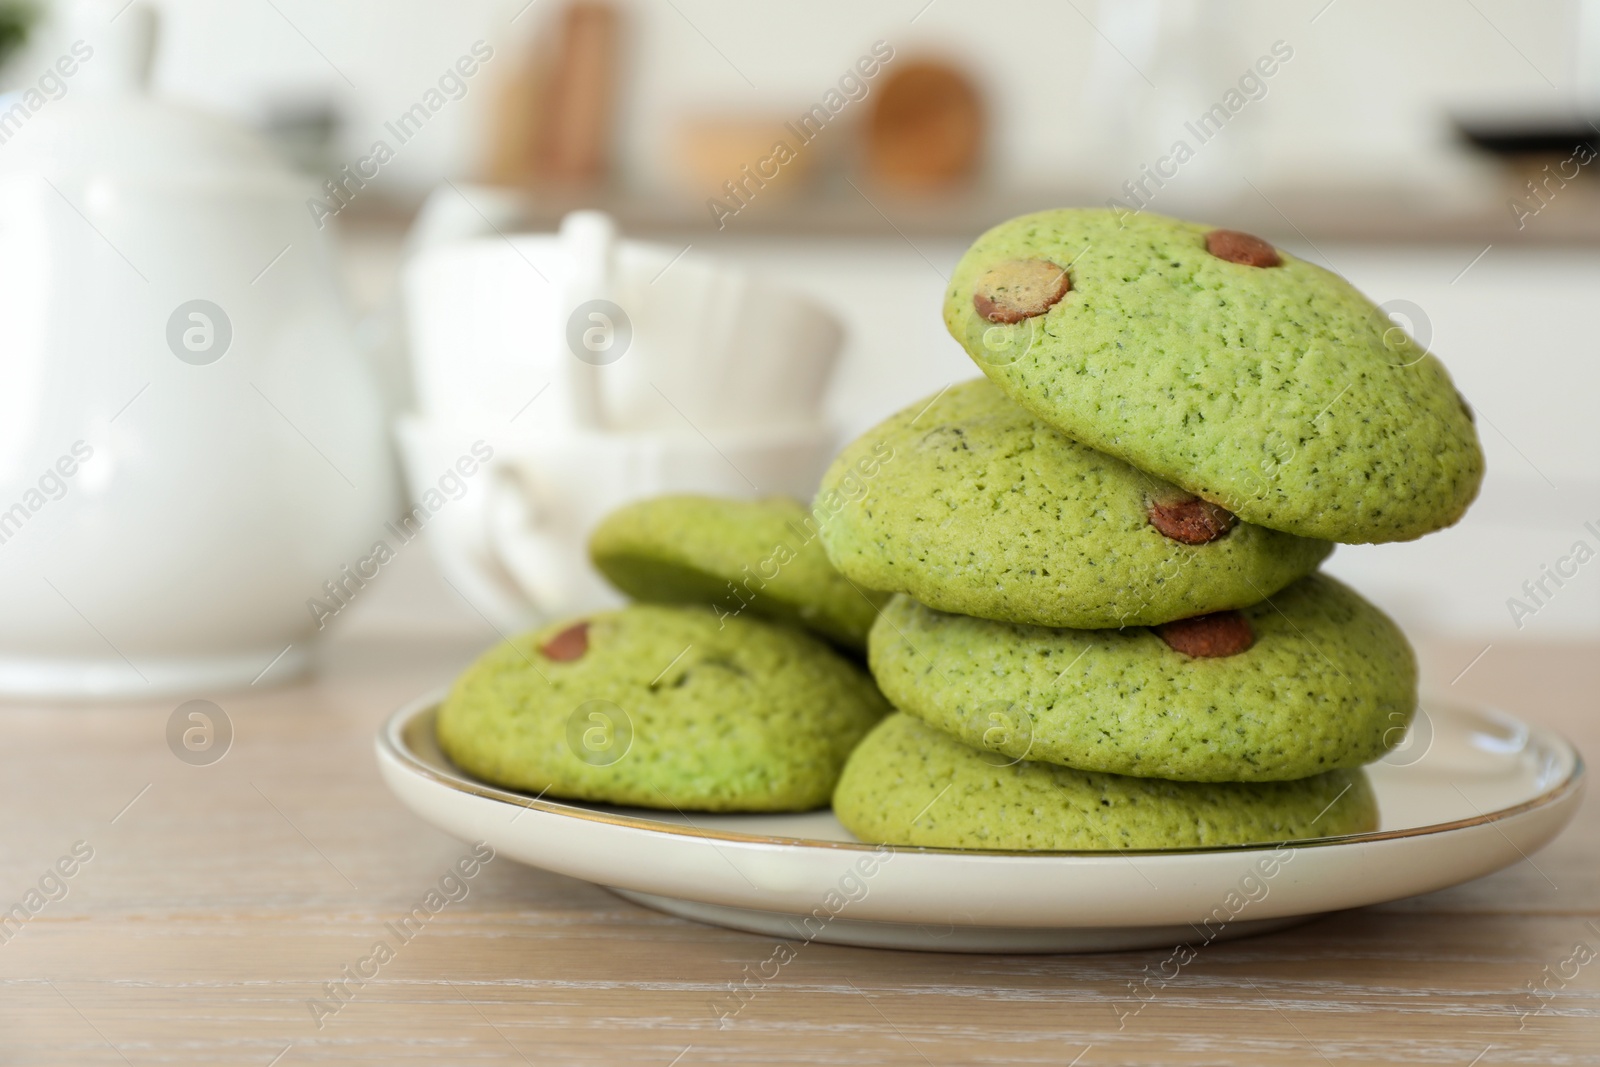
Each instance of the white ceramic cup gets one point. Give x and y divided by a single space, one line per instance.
515 542
687 344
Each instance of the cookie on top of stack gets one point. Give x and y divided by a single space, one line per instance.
1109 631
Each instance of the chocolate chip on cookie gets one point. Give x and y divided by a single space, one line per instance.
568 645
1242 248
1222 633
1190 520
1020 289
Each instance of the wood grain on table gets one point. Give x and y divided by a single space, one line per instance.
220 902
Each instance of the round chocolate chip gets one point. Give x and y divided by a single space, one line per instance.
568 645
1222 633
1020 289
1190 520
1242 248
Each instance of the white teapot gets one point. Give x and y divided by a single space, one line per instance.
191 447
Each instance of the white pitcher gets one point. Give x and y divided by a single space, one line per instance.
190 444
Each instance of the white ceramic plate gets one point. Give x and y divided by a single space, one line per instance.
1471 792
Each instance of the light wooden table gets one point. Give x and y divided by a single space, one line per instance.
220 899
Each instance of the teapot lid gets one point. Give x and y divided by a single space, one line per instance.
89 114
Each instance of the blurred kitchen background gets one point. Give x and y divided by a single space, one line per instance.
1436 152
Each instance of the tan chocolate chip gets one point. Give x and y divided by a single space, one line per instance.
1222 633
568 645
1020 289
1242 248
1190 520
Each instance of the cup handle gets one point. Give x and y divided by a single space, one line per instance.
519 541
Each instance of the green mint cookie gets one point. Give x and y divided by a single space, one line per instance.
1246 376
983 509
909 784
662 707
1315 679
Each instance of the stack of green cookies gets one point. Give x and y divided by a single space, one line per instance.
1086 584
1109 632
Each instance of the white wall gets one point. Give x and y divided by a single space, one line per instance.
1362 94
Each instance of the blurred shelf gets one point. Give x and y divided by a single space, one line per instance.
1375 213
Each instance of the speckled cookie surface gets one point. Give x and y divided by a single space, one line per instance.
760 557
1329 683
909 784
1279 392
982 509
662 707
